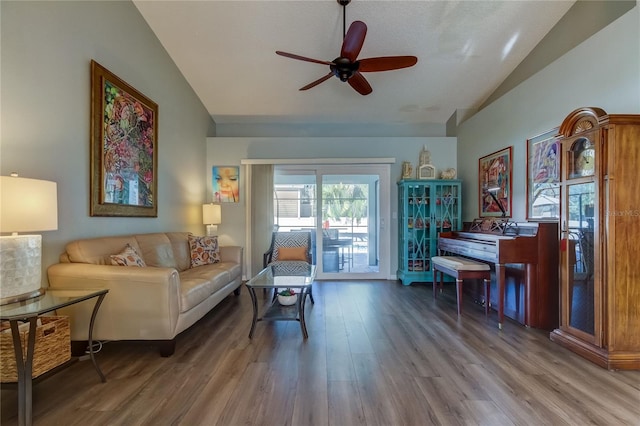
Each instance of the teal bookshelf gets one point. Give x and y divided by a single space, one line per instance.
425 208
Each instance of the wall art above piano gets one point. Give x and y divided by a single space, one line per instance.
495 184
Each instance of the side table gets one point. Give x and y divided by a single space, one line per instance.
30 310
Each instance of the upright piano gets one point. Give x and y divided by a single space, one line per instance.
536 245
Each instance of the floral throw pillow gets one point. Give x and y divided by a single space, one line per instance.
204 250
128 257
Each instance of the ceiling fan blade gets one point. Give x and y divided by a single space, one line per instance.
302 58
353 40
360 84
386 63
318 81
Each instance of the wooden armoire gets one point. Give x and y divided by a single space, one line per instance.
600 238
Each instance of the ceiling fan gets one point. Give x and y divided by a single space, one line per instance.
346 67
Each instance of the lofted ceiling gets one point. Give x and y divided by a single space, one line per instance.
465 49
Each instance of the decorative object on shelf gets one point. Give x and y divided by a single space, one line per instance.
448 199
425 169
449 173
425 156
26 205
124 148
494 192
211 217
407 170
287 297
543 177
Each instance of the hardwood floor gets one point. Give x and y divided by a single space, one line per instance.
378 353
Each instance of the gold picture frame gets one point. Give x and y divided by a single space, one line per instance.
124 148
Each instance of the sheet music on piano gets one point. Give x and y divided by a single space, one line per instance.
500 225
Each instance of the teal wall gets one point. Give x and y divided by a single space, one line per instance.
602 71
46 49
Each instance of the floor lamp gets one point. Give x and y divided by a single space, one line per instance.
26 205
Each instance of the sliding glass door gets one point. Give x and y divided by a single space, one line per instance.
346 209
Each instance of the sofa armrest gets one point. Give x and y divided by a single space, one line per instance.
142 303
231 254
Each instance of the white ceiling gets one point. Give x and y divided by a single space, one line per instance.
465 49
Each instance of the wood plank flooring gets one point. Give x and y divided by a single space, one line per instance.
378 353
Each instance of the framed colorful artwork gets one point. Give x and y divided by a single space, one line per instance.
543 177
495 184
226 184
124 148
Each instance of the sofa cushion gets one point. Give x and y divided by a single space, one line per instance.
128 257
156 250
196 284
204 250
181 251
234 269
98 251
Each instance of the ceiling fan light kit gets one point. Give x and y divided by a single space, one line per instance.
346 67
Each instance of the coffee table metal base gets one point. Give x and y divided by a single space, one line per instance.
278 312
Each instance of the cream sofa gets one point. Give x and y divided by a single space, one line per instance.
155 302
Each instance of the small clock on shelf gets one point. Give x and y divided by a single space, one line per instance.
426 171
582 159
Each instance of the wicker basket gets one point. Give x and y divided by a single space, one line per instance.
52 348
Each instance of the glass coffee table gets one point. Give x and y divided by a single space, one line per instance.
280 275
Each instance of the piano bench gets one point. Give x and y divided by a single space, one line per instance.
461 268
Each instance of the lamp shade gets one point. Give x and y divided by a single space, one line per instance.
211 214
28 205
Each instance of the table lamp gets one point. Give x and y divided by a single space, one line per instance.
26 205
212 217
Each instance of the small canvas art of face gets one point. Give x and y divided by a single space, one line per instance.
226 184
